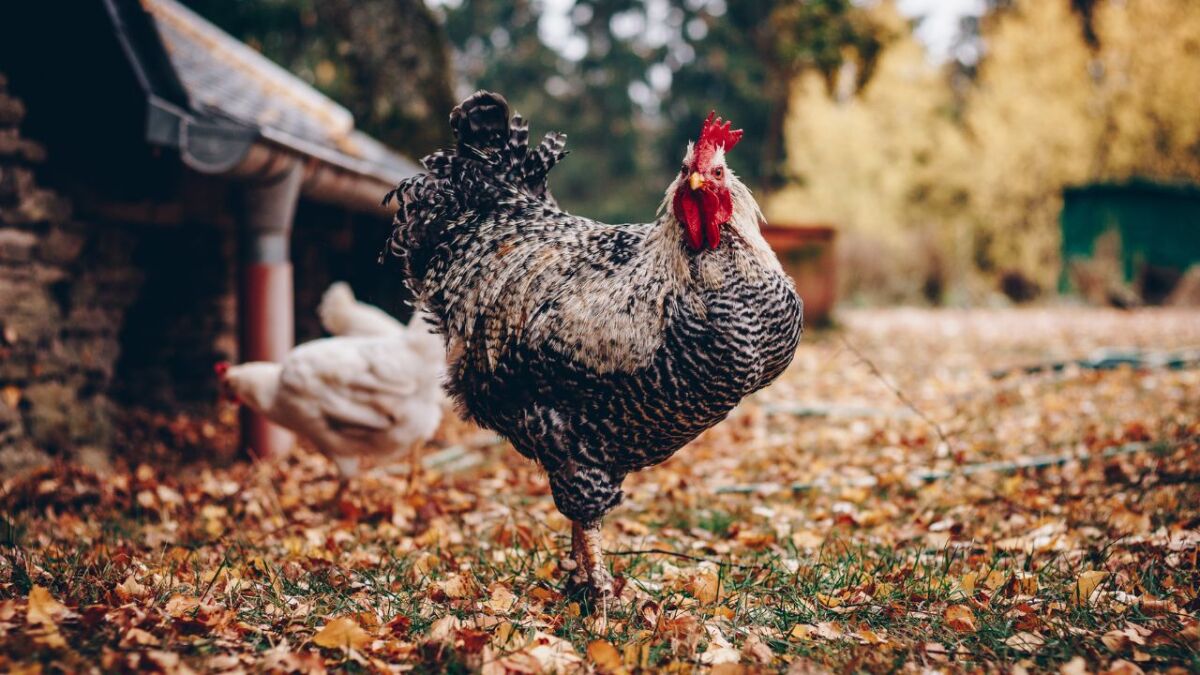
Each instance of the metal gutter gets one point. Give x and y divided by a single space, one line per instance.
221 147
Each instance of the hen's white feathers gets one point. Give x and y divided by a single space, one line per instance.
342 314
371 397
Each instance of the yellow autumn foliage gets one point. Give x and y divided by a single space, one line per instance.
941 183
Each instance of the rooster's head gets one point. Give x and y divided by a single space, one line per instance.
703 201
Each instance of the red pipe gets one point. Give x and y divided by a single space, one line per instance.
266 327
265 322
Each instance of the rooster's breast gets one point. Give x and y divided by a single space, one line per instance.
712 353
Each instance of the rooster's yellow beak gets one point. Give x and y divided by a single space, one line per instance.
696 180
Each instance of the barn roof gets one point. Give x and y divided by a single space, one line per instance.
205 83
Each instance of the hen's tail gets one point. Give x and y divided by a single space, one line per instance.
491 160
342 314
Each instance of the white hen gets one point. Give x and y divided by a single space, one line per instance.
342 314
356 398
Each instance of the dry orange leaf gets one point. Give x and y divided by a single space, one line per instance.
724 613
705 586
130 589
605 657
342 633
829 601
43 608
960 618
1086 584
456 586
502 600
11 396
444 628
1025 584
546 571
1025 641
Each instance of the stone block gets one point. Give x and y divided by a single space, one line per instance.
12 111
61 246
16 246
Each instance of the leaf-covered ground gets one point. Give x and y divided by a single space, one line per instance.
890 504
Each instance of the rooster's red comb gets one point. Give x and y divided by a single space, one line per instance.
717 134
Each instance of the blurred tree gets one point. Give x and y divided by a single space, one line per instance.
1033 126
1149 66
886 166
632 79
501 48
968 172
385 60
747 58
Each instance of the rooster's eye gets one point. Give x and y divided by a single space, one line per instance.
718 172
683 170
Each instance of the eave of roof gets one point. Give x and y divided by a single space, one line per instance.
214 98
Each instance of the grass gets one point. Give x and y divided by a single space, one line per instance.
153 563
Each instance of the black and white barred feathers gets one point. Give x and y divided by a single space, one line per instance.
596 349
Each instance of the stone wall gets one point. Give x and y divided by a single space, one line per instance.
111 320
64 289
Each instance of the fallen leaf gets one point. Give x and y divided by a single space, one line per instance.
1116 641
456 586
553 654
801 631
43 608
829 601
716 654
1086 584
1076 666
501 601
547 570
342 633
136 637
130 589
756 650
443 629
960 618
705 585
11 396
604 657
1025 584
1122 667
1025 641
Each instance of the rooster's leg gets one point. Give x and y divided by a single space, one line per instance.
600 580
577 564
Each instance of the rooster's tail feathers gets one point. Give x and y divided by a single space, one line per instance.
491 160
494 144
480 123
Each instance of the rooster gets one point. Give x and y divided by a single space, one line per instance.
356 397
596 349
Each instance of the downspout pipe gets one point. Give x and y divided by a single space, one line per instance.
265 287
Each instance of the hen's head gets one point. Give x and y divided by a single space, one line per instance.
703 200
221 368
